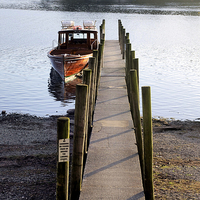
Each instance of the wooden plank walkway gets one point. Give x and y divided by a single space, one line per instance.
112 169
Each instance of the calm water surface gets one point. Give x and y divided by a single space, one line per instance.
165 38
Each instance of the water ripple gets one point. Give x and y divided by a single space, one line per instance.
167 47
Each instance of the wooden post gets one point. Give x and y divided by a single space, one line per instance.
103 26
103 42
135 65
95 55
119 30
87 74
127 40
129 67
123 43
127 36
135 112
62 183
101 32
79 140
129 59
91 100
148 142
126 53
133 57
103 36
100 56
128 49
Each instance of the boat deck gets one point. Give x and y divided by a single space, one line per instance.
70 51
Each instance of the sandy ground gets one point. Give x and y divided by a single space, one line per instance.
28 158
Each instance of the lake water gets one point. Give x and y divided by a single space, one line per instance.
164 36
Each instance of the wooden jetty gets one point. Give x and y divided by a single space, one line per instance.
112 168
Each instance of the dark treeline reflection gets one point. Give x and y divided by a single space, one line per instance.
111 2
182 7
130 2
175 7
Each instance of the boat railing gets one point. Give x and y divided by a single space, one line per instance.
53 43
93 44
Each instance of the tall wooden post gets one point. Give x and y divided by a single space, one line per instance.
63 144
95 55
87 74
135 65
100 59
128 50
91 100
135 111
119 32
79 140
103 26
127 53
123 43
148 142
101 31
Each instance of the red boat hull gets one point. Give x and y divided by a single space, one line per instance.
74 66
69 65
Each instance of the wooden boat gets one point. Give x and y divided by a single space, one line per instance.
75 46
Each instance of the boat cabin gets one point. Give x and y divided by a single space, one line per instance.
75 38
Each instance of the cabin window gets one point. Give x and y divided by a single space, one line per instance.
77 38
80 36
62 38
70 36
91 35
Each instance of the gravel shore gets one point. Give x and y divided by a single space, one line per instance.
176 159
28 158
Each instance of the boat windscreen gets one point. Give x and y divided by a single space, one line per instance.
78 36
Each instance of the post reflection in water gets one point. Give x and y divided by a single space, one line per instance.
61 91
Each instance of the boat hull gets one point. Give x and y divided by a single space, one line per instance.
72 66
58 64
69 65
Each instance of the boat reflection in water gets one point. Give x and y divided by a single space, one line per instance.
60 90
